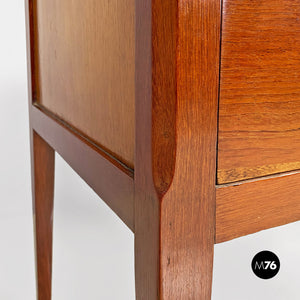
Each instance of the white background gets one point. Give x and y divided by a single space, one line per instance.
93 249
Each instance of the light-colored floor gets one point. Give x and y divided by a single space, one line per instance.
93 249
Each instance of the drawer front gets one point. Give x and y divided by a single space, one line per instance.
259 109
86 69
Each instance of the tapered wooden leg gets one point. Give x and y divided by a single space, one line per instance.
177 81
42 191
174 243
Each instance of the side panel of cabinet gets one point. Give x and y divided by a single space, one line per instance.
85 69
259 117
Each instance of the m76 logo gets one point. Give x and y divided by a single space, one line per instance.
265 265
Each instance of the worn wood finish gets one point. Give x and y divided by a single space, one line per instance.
256 205
110 180
43 192
174 229
259 125
85 69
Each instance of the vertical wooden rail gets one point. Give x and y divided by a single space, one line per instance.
147 206
42 170
43 190
177 76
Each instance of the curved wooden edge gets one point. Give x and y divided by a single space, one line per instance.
110 181
249 207
176 117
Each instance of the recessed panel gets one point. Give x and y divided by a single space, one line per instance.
86 69
259 117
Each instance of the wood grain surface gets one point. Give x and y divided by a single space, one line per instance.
259 117
43 193
85 69
147 202
175 221
110 96
164 93
188 208
253 206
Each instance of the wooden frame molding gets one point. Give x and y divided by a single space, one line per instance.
113 183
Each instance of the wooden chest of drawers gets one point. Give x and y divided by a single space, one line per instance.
184 116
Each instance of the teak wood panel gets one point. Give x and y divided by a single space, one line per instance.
259 111
85 69
252 206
